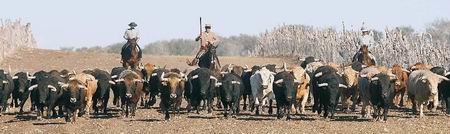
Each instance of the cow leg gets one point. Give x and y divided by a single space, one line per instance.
39 112
420 109
142 101
75 115
354 101
385 112
435 103
68 115
414 104
447 104
288 117
225 109
270 107
244 97
95 101
279 116
364 110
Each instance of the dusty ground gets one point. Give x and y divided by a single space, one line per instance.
150 121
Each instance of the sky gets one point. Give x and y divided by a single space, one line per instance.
80 23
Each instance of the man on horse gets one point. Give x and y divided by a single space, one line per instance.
365 41
132 37
207 39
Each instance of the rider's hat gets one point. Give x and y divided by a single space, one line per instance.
132 24
207 25
363 29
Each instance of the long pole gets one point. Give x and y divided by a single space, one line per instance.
201 32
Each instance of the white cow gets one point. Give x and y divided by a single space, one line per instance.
422 87
262 88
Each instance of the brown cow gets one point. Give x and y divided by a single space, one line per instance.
172 92
134 90
147 70
349 95
420 66
302 89
400 84
90 83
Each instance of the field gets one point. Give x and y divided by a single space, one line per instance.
150 121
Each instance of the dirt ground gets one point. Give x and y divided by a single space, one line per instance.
150 121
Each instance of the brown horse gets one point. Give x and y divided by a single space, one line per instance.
130 57
364 57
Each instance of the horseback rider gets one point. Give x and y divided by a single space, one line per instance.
207 39
365 39
132 37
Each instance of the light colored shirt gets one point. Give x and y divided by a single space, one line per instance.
208 39
131 34
366 40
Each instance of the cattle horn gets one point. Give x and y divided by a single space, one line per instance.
119 80
442 77
218 84
52 88
213 78
406 70
64 85
322 85
301 59
279 81
363 75
163 77
114 76
5 82
296 81
230 67
15 77
235 82
363 66
448 73
194 77
285 66
61 83
32 87
318 74
29 76
374 79
393 76
111 82
73 78
81 87
316 60
342 86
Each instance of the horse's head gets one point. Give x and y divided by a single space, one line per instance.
364 49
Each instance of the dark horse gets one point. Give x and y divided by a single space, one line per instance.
131 54
363 57
209 59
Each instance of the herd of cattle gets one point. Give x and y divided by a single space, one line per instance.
69 94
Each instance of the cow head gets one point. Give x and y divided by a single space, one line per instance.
230 83
3 79
132 81
76 90
45 88
432 81
174 82
287 81
22 81
401 76
266 77
384 82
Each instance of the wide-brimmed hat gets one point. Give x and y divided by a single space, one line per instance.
207 25
363 29
132 24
